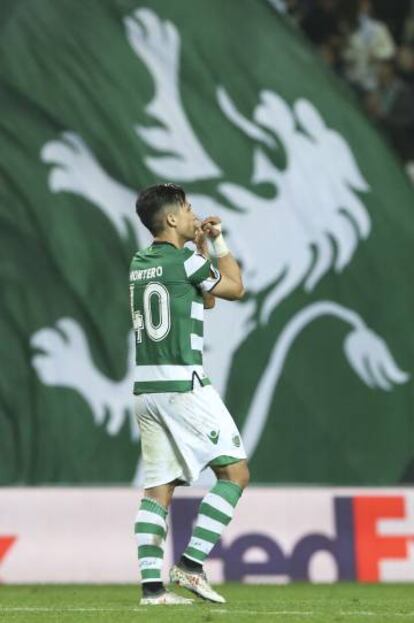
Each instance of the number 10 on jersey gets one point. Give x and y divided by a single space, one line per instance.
154 331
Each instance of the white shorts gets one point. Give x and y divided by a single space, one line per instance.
181 433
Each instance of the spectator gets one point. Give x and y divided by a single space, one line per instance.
322 25
369 42
391 105
394 14
321 22
360 48
408 35
405 64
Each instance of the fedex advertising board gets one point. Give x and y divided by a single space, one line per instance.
277 535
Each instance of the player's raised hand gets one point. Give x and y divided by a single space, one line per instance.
200 240
211 226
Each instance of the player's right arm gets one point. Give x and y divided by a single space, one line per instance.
230 286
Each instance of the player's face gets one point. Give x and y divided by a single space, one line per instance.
187 222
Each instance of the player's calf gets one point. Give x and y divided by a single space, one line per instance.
215 513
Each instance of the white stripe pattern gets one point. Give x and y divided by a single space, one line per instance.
197 311
219 503
148 517
210 524
147 538
150 563
197 342
194 263
201 545
145 374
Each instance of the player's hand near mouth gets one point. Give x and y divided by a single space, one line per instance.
200 241
231 285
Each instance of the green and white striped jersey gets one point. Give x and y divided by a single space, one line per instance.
166 285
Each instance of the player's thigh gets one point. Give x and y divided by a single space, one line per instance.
158 453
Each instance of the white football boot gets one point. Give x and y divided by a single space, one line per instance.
165 599
195 582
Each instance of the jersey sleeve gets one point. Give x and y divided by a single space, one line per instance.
201 272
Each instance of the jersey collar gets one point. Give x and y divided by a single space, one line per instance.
158 242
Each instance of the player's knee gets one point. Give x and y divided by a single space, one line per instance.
161 494
237 473
244 475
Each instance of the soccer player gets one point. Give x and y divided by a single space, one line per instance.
184 425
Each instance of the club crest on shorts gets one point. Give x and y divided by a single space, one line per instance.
214 436
236 441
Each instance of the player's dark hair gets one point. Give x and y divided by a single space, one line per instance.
152 200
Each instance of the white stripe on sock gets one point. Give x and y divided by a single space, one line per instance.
219 503
201 545
150 563
145 538
149 517
210 524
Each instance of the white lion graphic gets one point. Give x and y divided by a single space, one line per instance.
312 224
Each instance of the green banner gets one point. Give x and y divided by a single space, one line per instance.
100 98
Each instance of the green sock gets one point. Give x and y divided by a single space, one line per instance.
215 513
150 532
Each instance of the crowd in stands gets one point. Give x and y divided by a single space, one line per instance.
370 44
